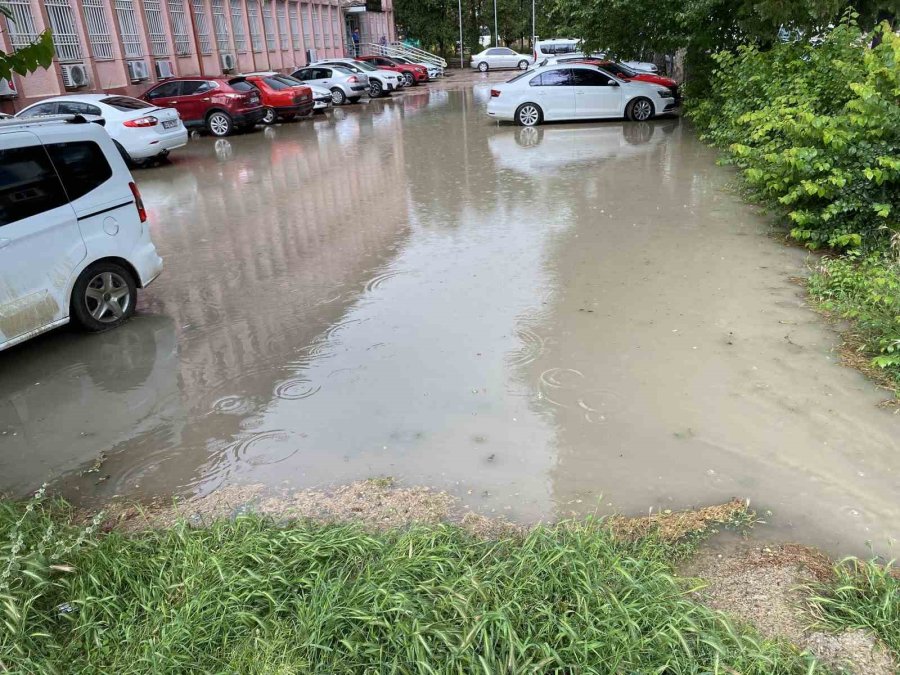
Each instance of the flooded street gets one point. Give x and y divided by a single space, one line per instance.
540 321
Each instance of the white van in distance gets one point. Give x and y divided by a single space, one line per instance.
74 243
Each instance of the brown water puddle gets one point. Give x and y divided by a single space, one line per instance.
539 321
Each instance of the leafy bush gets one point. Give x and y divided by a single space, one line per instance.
815 130
865 290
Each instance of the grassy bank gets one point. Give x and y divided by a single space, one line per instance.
251 596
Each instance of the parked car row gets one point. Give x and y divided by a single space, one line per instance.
545 53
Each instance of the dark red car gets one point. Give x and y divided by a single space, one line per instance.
282 97
218 104
412 72
623 72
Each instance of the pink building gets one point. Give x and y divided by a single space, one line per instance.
125 46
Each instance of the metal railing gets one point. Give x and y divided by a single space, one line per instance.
22 30
97 29
154 13
128 27
400 49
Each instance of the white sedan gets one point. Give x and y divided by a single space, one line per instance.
495 58
573 92
140 130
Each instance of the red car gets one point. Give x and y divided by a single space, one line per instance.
412 72
623 72
281 97
218 104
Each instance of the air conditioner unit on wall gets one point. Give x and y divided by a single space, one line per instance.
75 75
228 62
311 56
138 71
7 88
164 70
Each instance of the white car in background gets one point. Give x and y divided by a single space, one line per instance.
381 82
497 58
642 66
140 130
574 92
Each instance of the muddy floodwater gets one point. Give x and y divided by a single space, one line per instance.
540 321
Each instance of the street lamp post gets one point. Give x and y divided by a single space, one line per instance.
496 33
532 24
462 63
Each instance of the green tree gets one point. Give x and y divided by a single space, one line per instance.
26 59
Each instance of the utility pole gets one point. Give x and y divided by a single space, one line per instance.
532 25
496 32
462 63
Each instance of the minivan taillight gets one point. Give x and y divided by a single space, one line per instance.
495 93
141 122
138 202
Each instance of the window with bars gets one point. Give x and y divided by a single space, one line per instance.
268 24
237 26
220 26
336 26
180 34
294 17
128 27
253 20
97 29
154 15
326 29
281 17
22 31
65 35
202 27
304 11
317 26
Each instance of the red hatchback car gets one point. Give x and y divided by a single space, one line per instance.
412 73
623 72
218 104
281 97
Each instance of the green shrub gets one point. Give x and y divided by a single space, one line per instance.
866 290
815 131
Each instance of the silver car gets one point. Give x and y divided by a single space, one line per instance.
345 85
500 57
381 82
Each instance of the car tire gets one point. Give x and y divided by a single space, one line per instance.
104 297
269 116
639 110
484 67
338 97
219 123
529 115
289 117
409 79
375 89
523 65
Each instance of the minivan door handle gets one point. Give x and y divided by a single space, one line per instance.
5 242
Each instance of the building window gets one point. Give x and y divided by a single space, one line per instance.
97 29
281 10
253 17
304 12
22 31
220 25
268 24
202 27
336 26
179 27
317 27
237 25
128 26
295 24
153 13
65 36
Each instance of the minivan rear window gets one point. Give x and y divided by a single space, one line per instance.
28 184
81 166
125 103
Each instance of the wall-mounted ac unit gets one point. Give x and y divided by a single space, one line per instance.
75 75
311 56
164 70
228 62
7 89
138 71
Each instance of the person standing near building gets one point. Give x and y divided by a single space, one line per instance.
355 37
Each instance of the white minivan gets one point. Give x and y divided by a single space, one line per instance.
74 242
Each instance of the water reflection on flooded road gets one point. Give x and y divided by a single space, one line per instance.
538 320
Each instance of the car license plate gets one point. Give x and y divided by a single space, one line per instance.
168 124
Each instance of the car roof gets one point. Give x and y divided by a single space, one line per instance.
84 98
82 122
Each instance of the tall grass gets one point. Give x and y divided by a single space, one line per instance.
250 596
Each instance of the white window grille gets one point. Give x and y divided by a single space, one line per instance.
97 29
336 26
220 25
317 26
304 11
154 14
180 33
326 29
268 24
128 27
202 27
253 20
65 35
294 17
281 16
237 26
22 31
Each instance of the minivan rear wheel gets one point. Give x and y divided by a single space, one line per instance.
338 97
219 123
104 297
